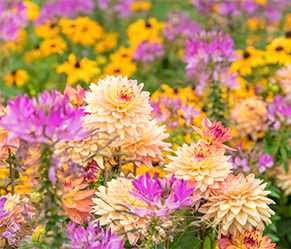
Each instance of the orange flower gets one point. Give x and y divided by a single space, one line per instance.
111 206
283 179
148 145
119 107
200 164
76 202
239 203
214 133
249 117
245 240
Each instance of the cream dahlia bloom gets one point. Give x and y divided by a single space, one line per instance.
111 205
283 179
239 203
80 150
249 117
202 165
148 145
119 107
245 240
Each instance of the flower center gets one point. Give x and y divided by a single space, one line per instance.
288 34
246 55
251 243
77 65
125 95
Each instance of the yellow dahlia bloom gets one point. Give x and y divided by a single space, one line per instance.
148 145
202 165
111 206
246 240
239 203
249 117
283 179
118 106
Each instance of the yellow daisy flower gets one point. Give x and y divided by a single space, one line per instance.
48 30
19 77
53 46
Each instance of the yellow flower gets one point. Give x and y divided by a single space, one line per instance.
256 22
17 45
118 106
148 145
18 77
53 46
144 30
284 41
276 54
287 23
111 205
248 59
239 203
82 30
38 233
247 239
48 30
83 69
108 42
140 6
249 117
201 165
33 55
122 54
129 169
32 10
127 68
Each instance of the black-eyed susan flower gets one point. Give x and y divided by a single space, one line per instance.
18 77
275 53
144 30
140 6
82 30
76 69
108 42
115 68
53 46
32 55
248 59
48 30
32 10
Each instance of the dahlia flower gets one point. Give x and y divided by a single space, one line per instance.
200 164
113 205
284 74
77 202
92 237
214 133
80 150
119 107
249 116
148 145
246 239
44 119
238 203
283 179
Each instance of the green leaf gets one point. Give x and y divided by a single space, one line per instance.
186 241
283 153
286 166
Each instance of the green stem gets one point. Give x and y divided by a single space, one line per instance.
11 172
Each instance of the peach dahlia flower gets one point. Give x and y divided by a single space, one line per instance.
249 117
76 201
119 107
111 205
284 74
246 240
148 145
239 203
200 164
283 179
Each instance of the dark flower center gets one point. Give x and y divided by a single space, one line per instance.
147 24
53 45
279 48
73 25
53 25
116 71
124 55
77 65
246 55
288 34
13 72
